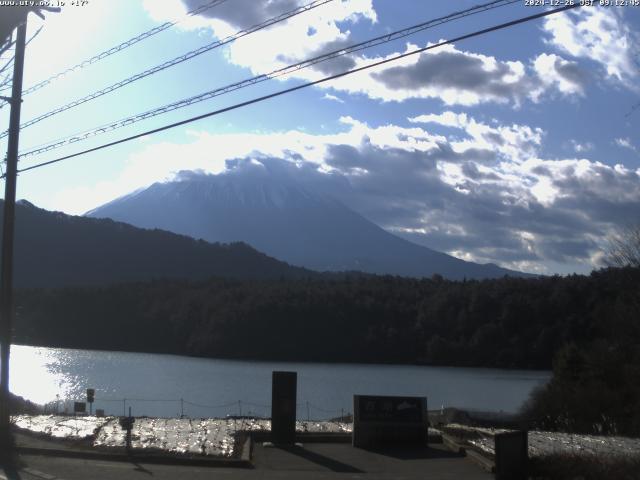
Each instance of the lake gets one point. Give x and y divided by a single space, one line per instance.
171 385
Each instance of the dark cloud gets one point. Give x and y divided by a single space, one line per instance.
501 222
542 171
483 214
458 70
470 169
292 169
244 13
571 72
494 138
492 230
327 67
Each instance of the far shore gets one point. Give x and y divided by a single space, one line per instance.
289 360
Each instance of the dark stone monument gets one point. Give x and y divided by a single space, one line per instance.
512 455
283 407
79 407
385 420
90 398
126 423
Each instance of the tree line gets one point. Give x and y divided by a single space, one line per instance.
507 322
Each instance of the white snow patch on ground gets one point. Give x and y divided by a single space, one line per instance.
59 426
208 436
192 436
547 443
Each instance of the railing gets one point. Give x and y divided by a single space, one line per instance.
183 408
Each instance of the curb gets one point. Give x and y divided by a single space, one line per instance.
247 450
452 445
37 473
481 460
308 437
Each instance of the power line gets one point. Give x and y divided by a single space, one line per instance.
10 61
308 84
632 110
5 81
7 44
264 77
261 78
122 46
6 65
175 61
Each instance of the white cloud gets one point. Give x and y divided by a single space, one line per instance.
272 48
485 194
625 143
208 152
457 77
599 34
328 96
579 147
555 71
515 142
66 28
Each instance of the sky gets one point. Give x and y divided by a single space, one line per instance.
519 147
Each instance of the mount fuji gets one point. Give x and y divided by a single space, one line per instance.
285 219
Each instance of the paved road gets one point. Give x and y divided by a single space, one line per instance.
58 468
313 461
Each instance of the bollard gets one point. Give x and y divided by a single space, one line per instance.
283 407
127 424
512 455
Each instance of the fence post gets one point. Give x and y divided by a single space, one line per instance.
240 408
182 408
308 416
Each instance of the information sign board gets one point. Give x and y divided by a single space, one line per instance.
387 420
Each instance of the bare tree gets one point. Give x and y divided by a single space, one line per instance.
624 248
11 16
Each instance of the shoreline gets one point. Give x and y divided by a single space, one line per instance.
280 361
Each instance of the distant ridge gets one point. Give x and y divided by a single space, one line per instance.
283 218
53 249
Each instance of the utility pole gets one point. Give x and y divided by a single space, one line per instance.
6 275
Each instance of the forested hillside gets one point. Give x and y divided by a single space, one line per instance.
507 322
53 249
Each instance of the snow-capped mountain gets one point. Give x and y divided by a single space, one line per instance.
284 219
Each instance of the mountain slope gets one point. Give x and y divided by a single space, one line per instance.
280 217
53 249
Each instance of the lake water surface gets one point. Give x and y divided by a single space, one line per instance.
170 385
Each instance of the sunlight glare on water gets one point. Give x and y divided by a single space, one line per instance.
170 385
35 373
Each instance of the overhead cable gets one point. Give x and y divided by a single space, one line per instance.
126 44
10 62
175 61
127 121
308 84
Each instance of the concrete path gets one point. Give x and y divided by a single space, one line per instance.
332 460
313 461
